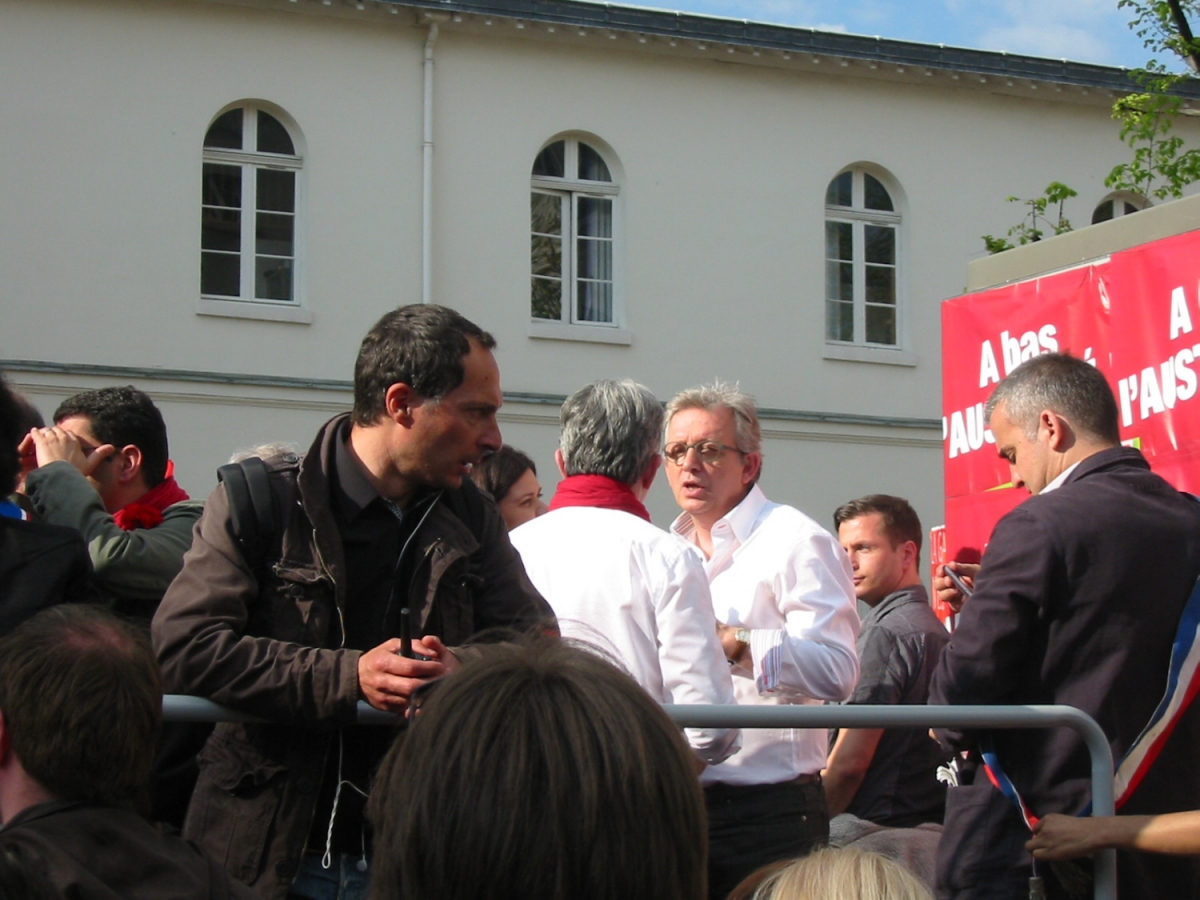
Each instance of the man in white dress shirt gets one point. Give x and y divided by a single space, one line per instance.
783 596
614 579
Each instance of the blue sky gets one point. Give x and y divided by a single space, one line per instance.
1093 31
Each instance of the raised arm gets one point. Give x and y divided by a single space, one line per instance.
813 655
138 564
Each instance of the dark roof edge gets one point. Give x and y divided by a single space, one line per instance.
792 39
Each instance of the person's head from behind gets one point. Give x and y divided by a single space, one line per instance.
127 419
841 874
81 704
510 477
611 428
539 772
427 383
882 536
1050 412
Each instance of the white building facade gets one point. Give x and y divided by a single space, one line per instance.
215 200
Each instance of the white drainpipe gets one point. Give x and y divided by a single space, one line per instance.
427 173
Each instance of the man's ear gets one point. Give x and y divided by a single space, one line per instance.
1060 435
399 401
751 465
910 553
128 463
651 471
560 462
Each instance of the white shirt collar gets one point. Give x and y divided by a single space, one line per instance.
1062 476
740 520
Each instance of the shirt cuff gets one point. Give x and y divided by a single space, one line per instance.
764 652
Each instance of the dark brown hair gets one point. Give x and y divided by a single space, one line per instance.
500 471
419 345
539 772
122 416
82 701
900 520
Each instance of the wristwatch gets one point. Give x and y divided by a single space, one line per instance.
742 636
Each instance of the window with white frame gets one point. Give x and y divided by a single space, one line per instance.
861 230
1118 204
572 199
248 212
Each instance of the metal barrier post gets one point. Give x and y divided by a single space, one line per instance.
178 708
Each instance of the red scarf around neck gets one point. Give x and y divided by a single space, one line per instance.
147 510
597 491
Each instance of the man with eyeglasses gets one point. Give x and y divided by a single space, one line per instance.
612 577
783 595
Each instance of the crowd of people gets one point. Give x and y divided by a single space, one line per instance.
407 560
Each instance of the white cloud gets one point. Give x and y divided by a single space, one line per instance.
1052 40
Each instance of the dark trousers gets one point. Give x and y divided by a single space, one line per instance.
750 826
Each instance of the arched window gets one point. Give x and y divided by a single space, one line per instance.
862 225
248 213
572 200
1120 203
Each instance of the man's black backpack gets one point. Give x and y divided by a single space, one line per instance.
252 511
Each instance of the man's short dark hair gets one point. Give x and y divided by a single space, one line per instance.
539 770
122 416
81 695
1064 384
900 521
498 472
420 345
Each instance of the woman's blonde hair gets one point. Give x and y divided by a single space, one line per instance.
842 874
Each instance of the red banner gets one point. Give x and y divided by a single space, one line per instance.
1135 316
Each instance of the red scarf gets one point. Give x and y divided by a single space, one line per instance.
597 491
147 510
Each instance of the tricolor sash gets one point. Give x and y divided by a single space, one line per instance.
1182 686
1183 683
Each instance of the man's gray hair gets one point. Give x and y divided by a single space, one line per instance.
610 428
1064 384
723 395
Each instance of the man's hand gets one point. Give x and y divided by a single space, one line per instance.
48 445
386 680
1058 837
735 651
944 587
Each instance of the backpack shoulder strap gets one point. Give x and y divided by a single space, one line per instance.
252 509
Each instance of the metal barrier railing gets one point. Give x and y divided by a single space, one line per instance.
179 708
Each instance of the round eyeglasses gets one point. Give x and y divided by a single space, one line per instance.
708 451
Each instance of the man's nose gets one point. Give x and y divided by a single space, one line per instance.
492 440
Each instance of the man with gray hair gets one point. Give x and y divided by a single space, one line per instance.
784 601
613 578
1077 602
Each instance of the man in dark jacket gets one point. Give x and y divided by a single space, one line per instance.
380 534
80 707
1077 602
40 564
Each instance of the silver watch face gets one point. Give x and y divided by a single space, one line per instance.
743 635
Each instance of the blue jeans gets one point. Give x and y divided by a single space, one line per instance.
345 879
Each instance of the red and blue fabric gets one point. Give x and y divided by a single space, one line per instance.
1183 682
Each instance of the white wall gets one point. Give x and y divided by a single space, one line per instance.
723 169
